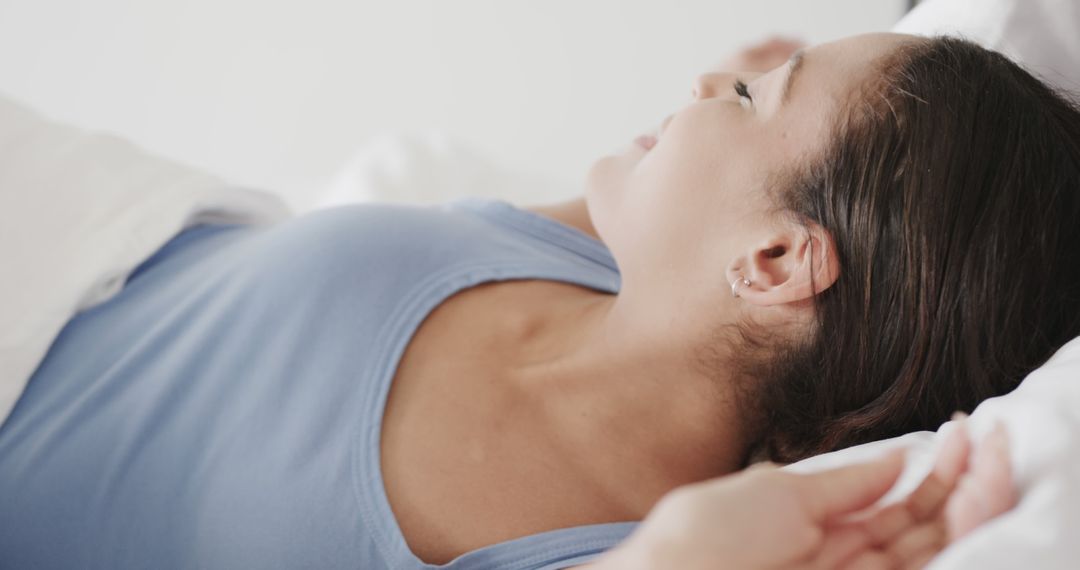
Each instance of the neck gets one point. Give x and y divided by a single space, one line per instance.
620 395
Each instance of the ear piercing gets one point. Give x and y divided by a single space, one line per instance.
735 285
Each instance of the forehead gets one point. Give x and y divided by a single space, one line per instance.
829 76
847 62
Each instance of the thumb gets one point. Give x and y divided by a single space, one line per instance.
848 489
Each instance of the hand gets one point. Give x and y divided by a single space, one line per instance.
763 56
760 518
952 501
767 518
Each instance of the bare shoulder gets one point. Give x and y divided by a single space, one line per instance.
572 213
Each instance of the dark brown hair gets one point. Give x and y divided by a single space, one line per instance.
951 186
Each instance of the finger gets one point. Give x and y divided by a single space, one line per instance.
839 491
931 495
871 560
952 459
842 544
914 543
929 498
984 492
964 511
888 523
992 471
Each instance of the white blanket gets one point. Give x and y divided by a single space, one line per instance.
78 212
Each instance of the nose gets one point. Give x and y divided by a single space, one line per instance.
707 85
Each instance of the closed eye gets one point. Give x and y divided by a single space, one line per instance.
743 93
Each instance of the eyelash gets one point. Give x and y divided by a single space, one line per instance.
742 91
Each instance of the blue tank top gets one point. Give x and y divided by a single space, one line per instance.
224 409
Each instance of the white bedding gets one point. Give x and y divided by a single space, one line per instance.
78 212
1042 417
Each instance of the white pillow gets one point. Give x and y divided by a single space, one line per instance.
1041 35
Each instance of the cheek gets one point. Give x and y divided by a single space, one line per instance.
645 205
690 197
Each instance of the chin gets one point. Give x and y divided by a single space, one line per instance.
602 206
591 209
610 173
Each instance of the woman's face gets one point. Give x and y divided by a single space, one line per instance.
679 217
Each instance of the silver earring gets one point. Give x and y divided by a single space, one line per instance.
735 285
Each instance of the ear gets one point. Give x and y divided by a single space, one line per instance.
792 265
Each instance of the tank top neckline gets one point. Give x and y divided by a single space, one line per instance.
570 545
540 226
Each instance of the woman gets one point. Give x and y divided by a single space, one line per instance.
806 259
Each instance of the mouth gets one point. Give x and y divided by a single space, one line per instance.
646 141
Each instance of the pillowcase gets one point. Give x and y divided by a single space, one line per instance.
1041 35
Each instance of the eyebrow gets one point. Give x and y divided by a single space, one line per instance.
796 60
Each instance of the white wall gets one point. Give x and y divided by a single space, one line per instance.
278 94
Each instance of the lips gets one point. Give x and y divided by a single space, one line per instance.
646 141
